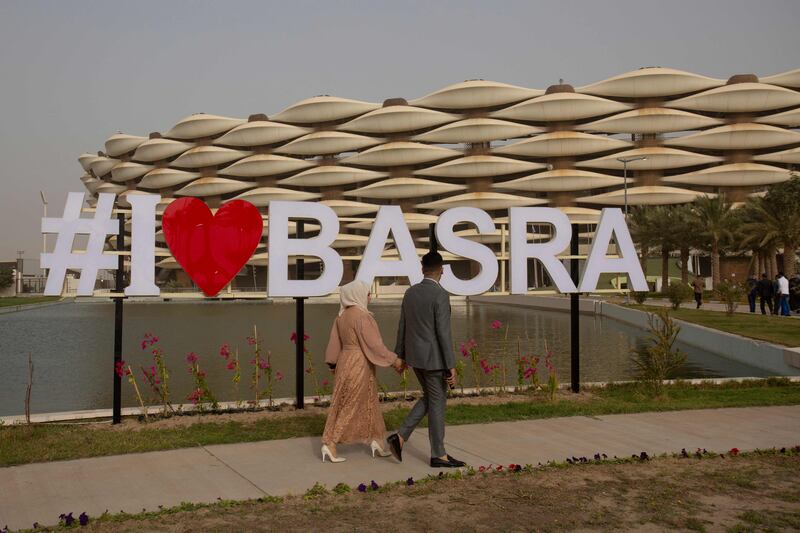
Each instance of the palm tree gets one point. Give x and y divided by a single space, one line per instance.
775 219
662 230
714 216
686 229
641 232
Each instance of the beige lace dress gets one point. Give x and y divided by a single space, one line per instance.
355 347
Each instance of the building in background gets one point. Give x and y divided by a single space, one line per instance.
477 143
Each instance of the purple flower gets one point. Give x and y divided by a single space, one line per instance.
83 519
373 485
362 487
67 519
410 481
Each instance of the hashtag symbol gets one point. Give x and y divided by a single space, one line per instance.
90 261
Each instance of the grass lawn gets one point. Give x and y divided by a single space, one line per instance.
20 444
746 492
776 329
15 300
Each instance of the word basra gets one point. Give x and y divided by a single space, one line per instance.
388 223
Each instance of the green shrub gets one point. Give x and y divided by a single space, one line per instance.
678 292
731 294
655 359
6 277
639 296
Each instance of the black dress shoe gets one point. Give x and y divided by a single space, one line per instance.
455 462
449 463
395 446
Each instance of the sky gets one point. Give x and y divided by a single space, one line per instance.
73 73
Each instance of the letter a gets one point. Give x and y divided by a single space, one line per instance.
612 223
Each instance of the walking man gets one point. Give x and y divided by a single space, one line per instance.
783 299
752 291
699 284
765 293
425 343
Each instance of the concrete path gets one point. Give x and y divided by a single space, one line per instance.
743 308
131 483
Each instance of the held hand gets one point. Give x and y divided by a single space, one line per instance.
399 365
451 378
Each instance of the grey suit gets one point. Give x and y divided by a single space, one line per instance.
424 341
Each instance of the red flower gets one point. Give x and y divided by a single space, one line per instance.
231 365
263 364
499 468
278 376
191 358
734 451
482 469
496 324
225 351
251 341
119 368
293 337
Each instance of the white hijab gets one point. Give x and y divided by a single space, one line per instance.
355 293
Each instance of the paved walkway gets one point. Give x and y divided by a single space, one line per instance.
709 306
40 492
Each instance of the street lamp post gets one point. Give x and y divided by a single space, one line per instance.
625 161
44 235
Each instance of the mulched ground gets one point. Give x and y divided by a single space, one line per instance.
743 493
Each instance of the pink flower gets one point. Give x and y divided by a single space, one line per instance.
324 382
144 344
464 350
191 358
231 365
529 372
472 344
225 351
496 324
278 376
251 341
263 365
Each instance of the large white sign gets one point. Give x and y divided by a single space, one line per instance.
389 221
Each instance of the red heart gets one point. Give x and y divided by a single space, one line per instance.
211 248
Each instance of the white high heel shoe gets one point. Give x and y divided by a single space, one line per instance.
333 458
376 448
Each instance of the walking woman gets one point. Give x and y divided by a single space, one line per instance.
354 350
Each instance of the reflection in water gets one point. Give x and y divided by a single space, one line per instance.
72 346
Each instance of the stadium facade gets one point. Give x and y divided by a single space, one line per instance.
477 143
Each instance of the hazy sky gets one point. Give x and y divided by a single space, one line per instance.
73 72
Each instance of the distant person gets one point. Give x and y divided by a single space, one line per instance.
698 284
752 292
783 291
776 295
794 293
765 292
354 350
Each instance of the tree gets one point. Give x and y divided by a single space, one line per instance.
686 229
6 278
662 231
714 217
780 214
641 232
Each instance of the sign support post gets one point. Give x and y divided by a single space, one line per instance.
300 331
119 289
574 310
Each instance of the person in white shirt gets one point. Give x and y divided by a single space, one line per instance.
783 290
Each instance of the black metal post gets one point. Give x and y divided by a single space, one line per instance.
434 244
117 408
574 310
300 331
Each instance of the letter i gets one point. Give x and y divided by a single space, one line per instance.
143 245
